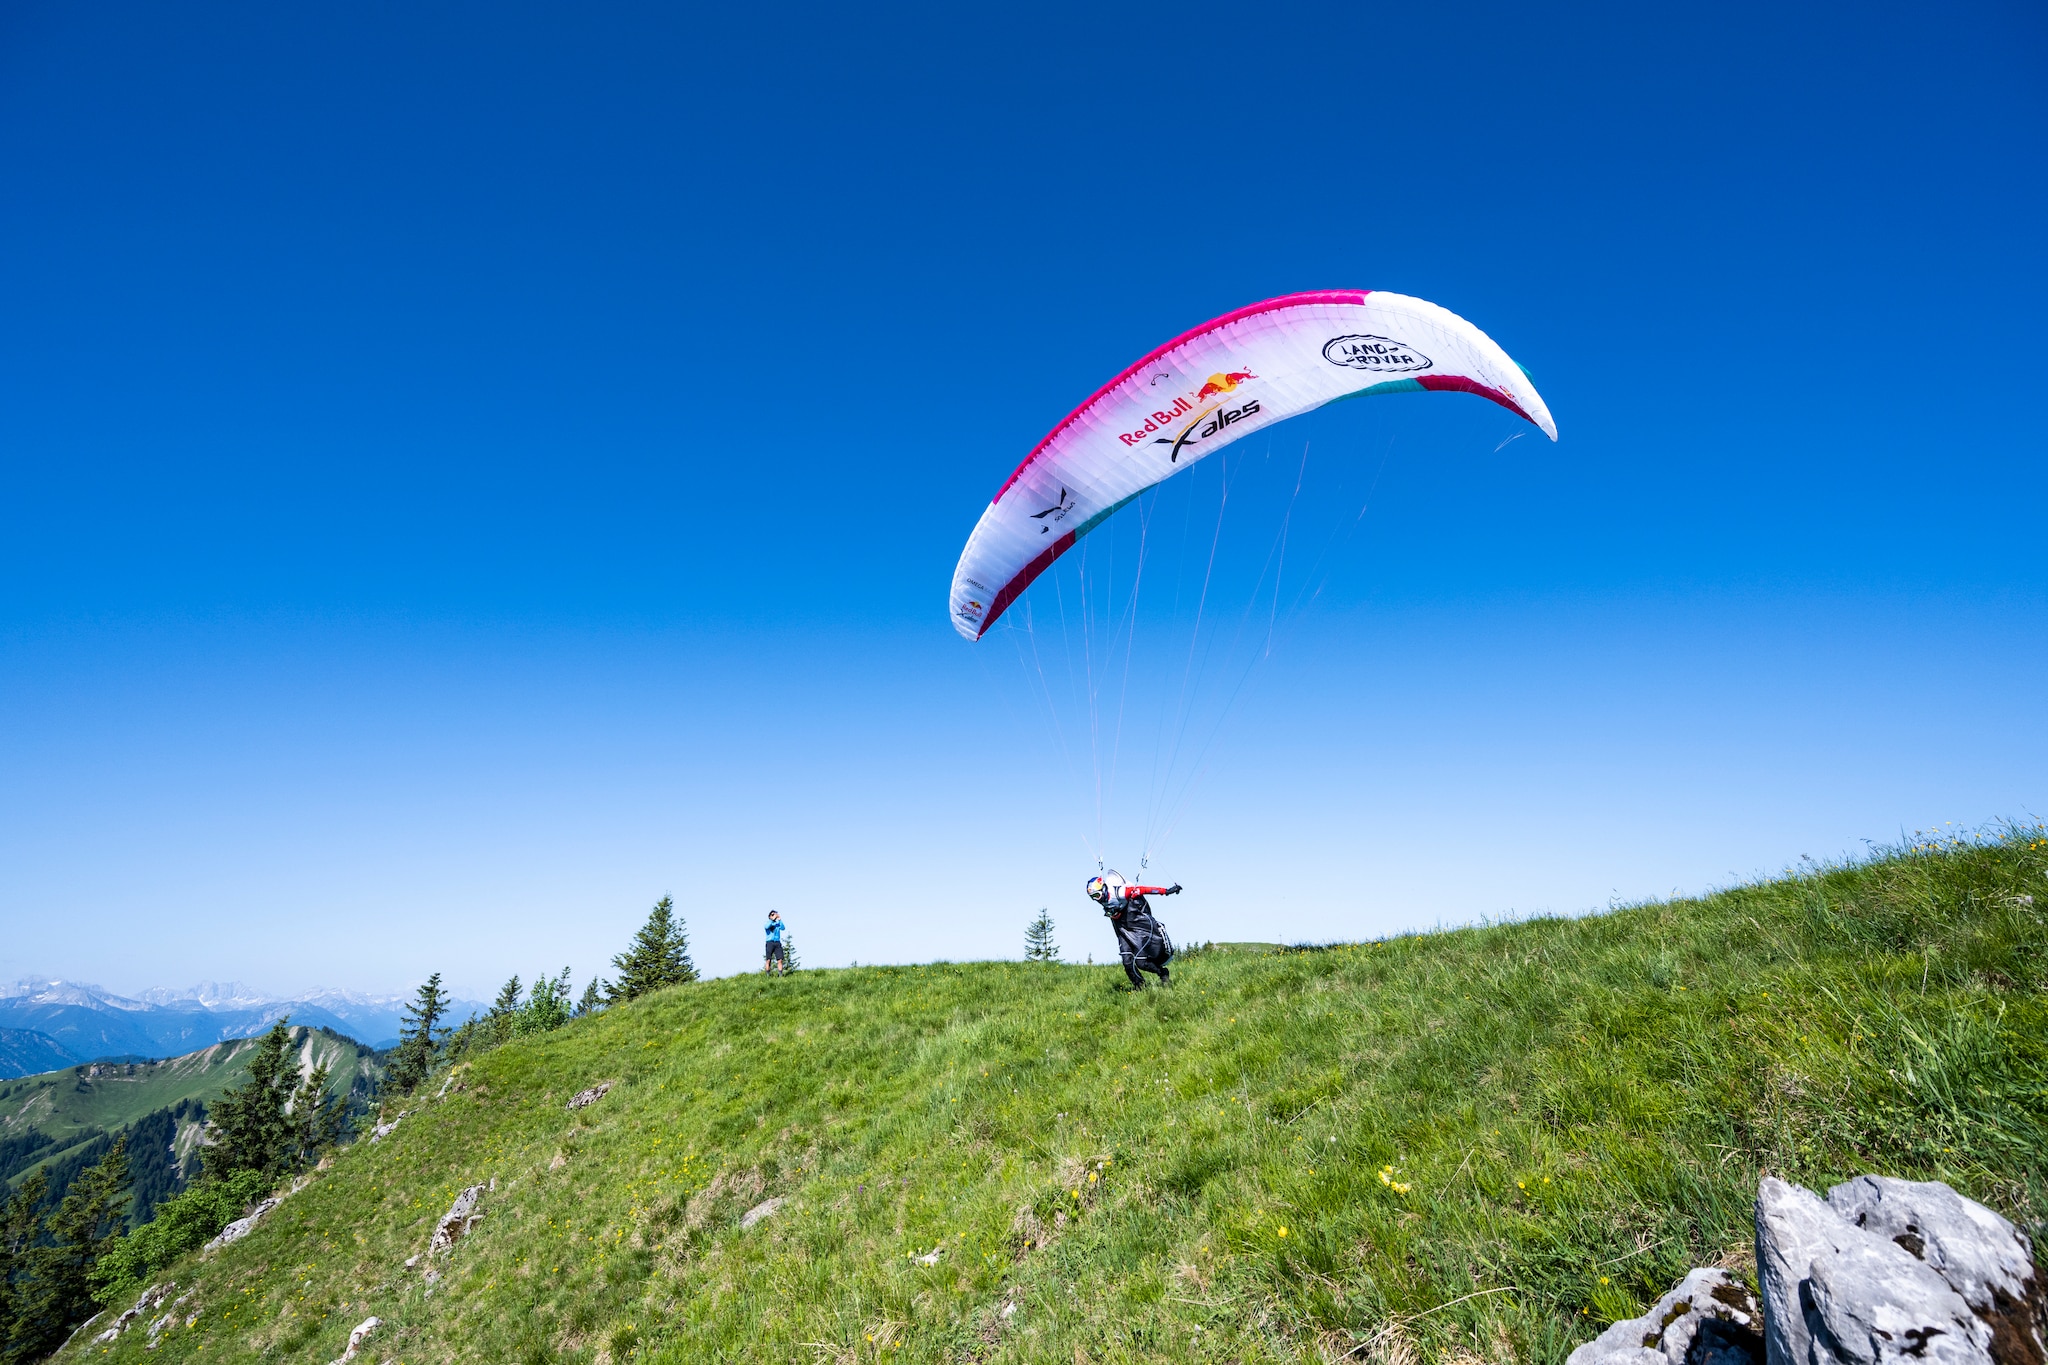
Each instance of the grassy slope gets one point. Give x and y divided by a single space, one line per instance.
1573 1112
70 1106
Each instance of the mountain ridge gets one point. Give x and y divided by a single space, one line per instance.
87 1021
24 1052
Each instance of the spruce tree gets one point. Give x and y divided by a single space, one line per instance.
659 955
21 1227
58 1292
1038 944
593 997
316 1118
423 1036
502 1020
251 1124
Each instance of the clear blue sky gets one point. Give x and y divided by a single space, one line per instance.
466 470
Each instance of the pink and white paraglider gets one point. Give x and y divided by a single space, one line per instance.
1238 374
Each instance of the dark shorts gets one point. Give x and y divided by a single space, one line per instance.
774 951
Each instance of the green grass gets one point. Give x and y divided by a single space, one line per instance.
1481 1144
72 1106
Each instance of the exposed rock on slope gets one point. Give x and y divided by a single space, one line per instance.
1881 1271
457 1223
583 1099
243 1226
1707 1319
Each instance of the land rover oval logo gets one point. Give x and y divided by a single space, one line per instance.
1379 354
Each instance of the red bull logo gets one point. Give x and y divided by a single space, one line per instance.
1223 383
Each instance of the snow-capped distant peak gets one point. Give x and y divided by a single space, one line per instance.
33 990
331 996
209 995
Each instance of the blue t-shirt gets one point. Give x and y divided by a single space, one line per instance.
775 928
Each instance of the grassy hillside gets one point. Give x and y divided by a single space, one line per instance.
1478 1145
73 1106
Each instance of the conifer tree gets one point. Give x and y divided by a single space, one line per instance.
423 1036
21 1226
659 955
1038 944
251 1124
316 1118
593 997
57 1292
508 998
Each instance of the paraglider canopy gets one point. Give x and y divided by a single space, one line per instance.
1232 376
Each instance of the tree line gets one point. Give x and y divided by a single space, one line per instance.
659 956
70 1248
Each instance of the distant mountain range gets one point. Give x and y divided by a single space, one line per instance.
46 1024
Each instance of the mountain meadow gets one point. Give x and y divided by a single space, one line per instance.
1467 1146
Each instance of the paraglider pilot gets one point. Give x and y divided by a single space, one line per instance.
1140 939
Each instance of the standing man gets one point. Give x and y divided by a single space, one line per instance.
773 960
1140 939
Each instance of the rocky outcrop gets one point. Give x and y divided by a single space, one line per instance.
241 1227
357 1338
1707 1319
583 1099
1881 1272
458 1222
1885 1269
1977 1253
152 1297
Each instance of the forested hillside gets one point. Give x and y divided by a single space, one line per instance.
1479 1145
24 1052
65 1121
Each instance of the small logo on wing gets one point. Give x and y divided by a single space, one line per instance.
1381 355
1057 512
1222 383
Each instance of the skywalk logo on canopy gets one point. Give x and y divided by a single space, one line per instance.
1382 355
1058 511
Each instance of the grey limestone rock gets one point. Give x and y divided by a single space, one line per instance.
152 1298
1867 1301
583 1099
1975 1250
458 1222
241 1227
1706 1319
1792 1228
357 1338
1890 1269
